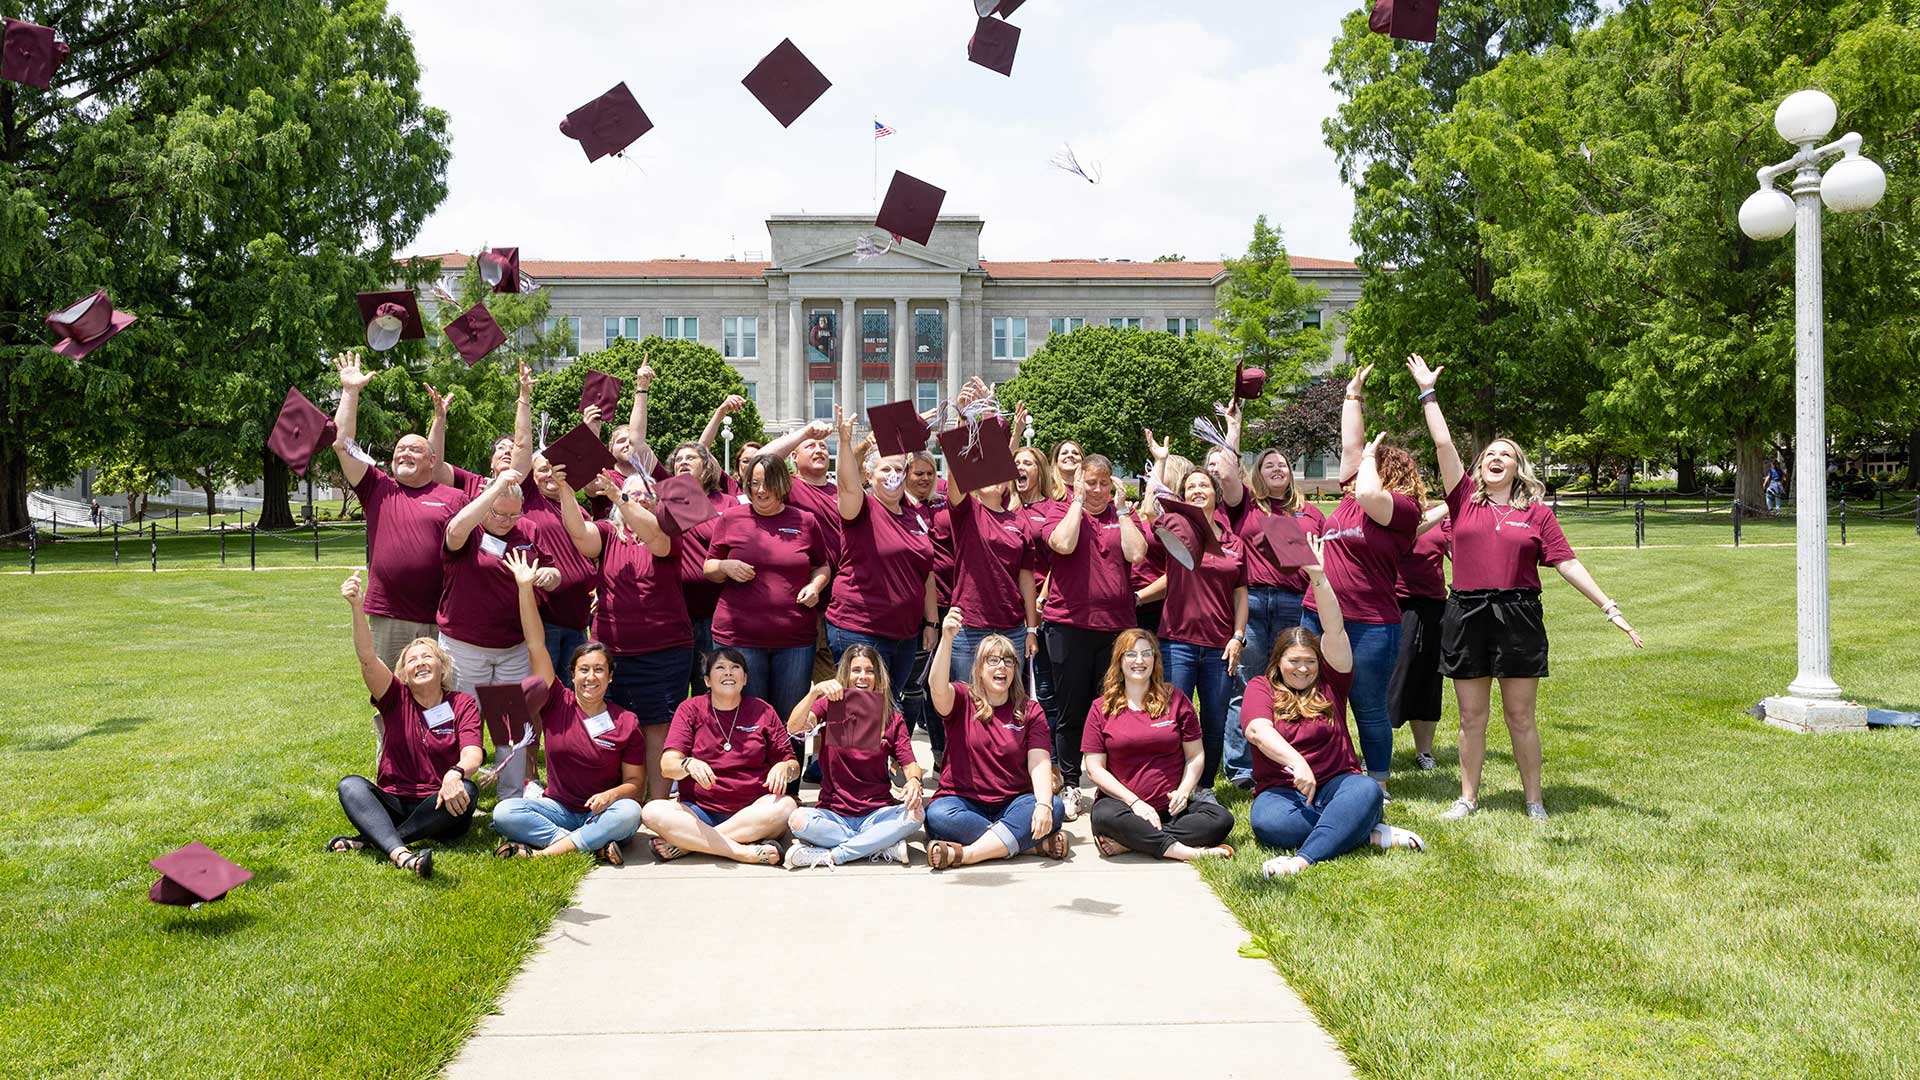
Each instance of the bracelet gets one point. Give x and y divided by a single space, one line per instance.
1425 394
1356 397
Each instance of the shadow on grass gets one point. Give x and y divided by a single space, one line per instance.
1566 799
118 725
218 924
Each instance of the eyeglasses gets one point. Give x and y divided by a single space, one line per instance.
503 517
1137 654
996 661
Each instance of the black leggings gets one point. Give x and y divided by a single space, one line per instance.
1203 824
1080 660
389 821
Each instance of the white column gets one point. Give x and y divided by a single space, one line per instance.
902 351
850 359
1815 679
796 401
953 349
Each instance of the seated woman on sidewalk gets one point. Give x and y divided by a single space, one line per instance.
856 817
429 747
1143 751
734 760
1309 791
596 755
996 795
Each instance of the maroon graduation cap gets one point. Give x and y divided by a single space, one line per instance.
1248 382
786 82
910 208
392 316
300 431
1287 540
857 721
992 45
500 268
602 389
898 428
581 453
195 874
608 124
1006 8
1408 20
681 505
475 334
29 53
509 708
87 325
989 462
1185 532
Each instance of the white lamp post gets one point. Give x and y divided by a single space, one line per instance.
1813 702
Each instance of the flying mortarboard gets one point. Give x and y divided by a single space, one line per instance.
475 334
500 268
193 875
392 316
600 389
786 82
910 208
1184 529
1408 20
1248 382
509 708
681 505
1288 541
608 124
988 462
87 325
992 45
1002 8
898 428
300 431
29 53
581 453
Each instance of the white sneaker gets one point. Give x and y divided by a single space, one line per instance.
1282 866
1387 837
803 856
1537 811
1460 808
1425 762
1071 797
895 854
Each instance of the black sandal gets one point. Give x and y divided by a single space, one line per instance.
344 843
420 862
511 850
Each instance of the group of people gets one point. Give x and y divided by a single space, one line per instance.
1045 633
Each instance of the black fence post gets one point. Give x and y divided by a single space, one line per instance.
153 540
56 523
1882 489
176 519
253 546
223 543
243 515
1738 513
1639 523
1843 523
116 543
316 537
33 548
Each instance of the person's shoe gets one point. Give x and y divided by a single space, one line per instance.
1282 866
1387 837
803 856
1461 808
895 854
1071 797
1425 762
1537 811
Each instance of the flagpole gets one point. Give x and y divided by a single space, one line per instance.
876 163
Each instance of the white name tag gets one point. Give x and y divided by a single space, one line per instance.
440 715
493 545
599 724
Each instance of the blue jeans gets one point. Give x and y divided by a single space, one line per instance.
1043 683
854 838
1201 669
702 645
651 685
539 823
1269 611
963 821
1344 810
1376 649
561 641
779 677
896 653
966 643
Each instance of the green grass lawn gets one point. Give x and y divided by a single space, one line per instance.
1711 899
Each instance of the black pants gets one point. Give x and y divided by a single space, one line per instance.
1203 824
389 821
1080 660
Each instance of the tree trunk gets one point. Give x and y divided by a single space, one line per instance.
13 486
274 511
207 486
1686 477
1750 461
1913 460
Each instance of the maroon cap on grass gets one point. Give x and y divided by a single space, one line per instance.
87 325
608 124
786 82
195 874
300 431
910 208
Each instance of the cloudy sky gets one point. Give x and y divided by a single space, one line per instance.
1201 115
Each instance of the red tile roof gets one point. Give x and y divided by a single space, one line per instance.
605 268
1051 268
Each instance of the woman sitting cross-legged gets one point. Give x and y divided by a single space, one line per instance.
857 817
596 755
996 795
429 747
1309 793
1142 748
734 760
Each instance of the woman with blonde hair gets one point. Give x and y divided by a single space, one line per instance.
1142 748
857 817
1492 627
996 795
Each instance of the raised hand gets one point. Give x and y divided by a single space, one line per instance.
525 573
1357 386
820 429
526 382
1424 377
643 378
439 400
352 378
844 425
1315 543
590 415
830 689
732 404
508 478
351 593
953 623
1157 449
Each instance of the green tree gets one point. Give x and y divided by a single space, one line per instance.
1263 309
1100 386
1305 423
690 381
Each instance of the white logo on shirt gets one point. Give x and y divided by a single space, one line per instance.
1168 722
784 531
1518 524
430 502
1013 727
1344 534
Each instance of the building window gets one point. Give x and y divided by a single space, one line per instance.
1009 339
570 324
875 325
1182 327
929 336
753 393
823 326
684 327
1311 318
1317 467
874 392
617 328
822 400
1124 322
926 394
1065 324
740 337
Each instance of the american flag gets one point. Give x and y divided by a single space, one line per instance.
880 130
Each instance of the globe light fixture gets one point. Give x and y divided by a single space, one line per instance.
1767 214
1805 117
1853 183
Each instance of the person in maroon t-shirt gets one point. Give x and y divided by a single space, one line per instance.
734 760
596 759
996 797
429 750
1068 456
566 611
696 460
1503 532
1413 694
1309 794
479 614
1036 487
1149 576
857 817
814 492
513 451
1142 749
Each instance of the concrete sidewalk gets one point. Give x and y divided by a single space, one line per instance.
1120 967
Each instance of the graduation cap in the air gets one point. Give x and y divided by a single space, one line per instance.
786 82
500 269
987 462
1408 20
1287 540
898 428
608 124
1185 531
475 334
392 316
856 721
992 45
87 325
581 453
300 431
602 389
29 53
681 505
910 208
1248 382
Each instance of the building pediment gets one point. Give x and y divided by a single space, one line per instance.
903 256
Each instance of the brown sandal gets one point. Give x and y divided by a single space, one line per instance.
1109 847
612 854
663 851
942 854
765 855
511 850
1054 846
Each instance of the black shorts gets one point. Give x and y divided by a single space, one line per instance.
1413 692
1493 633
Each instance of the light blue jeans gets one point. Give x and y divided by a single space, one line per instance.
852 838
538 823
1269 611
1376 649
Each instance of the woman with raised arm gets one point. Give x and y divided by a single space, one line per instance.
693 459
567 610
1142 749
1035 490
1309 794
884 593
857 817
1414 692
479 613
596 757
429 750
511 451
996 796
734 761
1492 628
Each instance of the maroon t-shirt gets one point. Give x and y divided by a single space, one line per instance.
1033 519
571 603
415 753
406 527
1362 558
823 504
1421 572
692 547
1090 587
989 547
642 608
1263 572
1199 608
1144 752
479 601
1498 547
470 484
944 569
783 549
1323 741
853 781
881 587
580 763
740 745
988 762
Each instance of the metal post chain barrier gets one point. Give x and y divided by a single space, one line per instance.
315 518
1639 523
1843 523
56 523
153 539
223 543
33 549
176 519
253 546
1738 513
116 544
